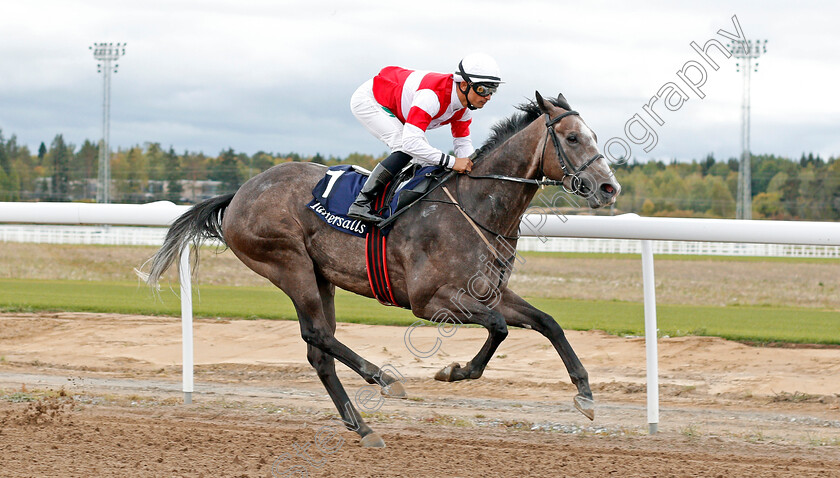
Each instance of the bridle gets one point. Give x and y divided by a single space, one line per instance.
565 163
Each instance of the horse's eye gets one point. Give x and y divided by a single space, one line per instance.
572 138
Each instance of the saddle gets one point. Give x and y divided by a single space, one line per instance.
410 184
336 191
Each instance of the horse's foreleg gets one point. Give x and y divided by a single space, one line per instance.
441 308
519 313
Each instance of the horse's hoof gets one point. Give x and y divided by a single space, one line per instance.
585 406
446 373
394 390
373 440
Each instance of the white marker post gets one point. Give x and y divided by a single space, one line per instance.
186 324
650 338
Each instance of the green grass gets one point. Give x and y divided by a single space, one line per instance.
678 257
759 324
208 301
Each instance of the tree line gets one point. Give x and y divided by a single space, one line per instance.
805 188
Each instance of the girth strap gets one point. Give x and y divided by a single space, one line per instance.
376 263
376 251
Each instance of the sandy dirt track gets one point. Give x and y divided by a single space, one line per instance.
99 395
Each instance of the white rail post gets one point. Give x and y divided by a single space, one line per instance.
650 338
186 323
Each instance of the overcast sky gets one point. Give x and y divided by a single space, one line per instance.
205 75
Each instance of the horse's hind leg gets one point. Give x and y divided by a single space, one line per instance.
315 329
391 387
294 273
324 365
313 300
313 324
519 313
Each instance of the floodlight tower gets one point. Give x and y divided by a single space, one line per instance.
746 51
105 53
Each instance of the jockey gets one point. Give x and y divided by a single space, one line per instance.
398 106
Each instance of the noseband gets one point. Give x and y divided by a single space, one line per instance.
565 163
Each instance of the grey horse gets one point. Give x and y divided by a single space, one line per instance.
437 249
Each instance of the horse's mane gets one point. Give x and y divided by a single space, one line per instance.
506 128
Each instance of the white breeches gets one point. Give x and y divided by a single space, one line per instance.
375 118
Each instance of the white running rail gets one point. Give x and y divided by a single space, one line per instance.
542 227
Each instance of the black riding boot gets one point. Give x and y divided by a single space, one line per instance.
362 208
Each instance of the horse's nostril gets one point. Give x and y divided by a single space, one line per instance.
607 188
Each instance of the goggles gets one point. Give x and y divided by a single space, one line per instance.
485 89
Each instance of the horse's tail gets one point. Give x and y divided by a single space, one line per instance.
202 222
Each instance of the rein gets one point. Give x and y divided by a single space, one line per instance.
565 162
565 165
514 179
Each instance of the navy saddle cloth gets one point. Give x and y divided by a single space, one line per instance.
336 191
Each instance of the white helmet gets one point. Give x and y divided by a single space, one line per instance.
478 68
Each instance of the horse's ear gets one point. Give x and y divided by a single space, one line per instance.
541 102
562 98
